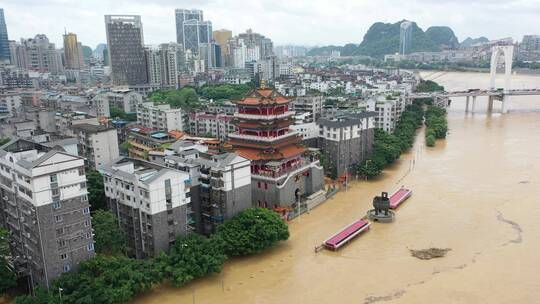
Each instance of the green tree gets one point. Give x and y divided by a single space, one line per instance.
96 190
430 141
436 123
327 165
126 145
370 167
8 279
116 112
109 238
4 141
101 280
191 257
251 231
428 86
224 91
185 98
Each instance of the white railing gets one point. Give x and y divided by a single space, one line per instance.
288 172
263 117
263 138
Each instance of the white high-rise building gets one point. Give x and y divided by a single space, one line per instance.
160 117
388 111
44 205
163 64
10 103
98 144
152 204
405 37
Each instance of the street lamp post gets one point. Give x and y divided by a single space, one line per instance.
366 167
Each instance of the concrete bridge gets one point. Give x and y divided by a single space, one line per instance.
442 98
502 94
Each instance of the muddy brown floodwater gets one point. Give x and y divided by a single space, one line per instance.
477 192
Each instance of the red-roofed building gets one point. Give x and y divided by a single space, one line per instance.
282 173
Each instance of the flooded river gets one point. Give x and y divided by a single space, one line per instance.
477 193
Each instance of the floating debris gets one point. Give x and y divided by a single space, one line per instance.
428 254
514 225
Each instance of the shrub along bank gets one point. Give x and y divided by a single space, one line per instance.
108 279
436 125
388 147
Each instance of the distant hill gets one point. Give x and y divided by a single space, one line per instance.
324 50
383 38
443 36
470 41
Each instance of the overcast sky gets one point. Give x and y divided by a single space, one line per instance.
302 22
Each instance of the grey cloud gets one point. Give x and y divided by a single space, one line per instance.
285 21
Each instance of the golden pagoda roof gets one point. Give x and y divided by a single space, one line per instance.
256 154
263 96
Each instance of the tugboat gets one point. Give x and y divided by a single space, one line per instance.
381 212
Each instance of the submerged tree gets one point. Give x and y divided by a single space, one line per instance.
251 231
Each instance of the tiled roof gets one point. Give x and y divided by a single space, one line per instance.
286 152
263 96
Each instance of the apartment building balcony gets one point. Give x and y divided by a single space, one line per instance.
10 202
15 226
11 213
139 146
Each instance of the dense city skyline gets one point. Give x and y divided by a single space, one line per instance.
272 18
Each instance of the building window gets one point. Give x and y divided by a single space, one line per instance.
61 243
84 198
60 231
53 178
83 185
67 267
58 218
86 223
90 247
81 171
86 210
63 256
56 205
87 235
265 186
258 184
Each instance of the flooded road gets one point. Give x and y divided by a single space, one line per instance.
477 193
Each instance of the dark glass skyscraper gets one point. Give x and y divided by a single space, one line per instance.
4 43
191 30
126 49
185 15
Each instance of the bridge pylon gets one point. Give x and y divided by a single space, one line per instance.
507 52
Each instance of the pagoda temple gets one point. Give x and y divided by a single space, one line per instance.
282 172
